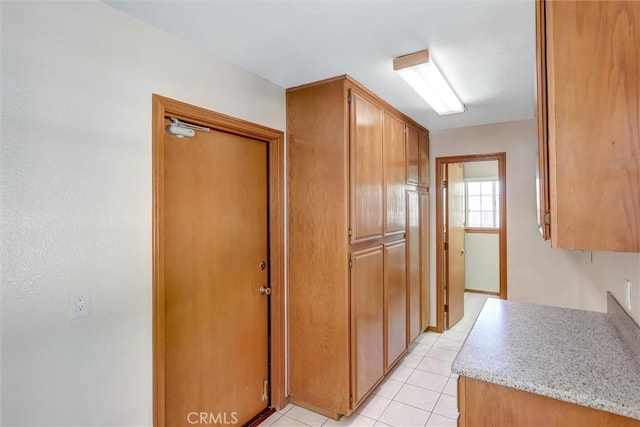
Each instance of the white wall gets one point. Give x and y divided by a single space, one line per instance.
486 169
77 79
482 262
535 272
600 272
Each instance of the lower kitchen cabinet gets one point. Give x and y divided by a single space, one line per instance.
485 404
367 319
395 301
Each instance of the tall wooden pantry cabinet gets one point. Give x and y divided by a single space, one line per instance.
352 311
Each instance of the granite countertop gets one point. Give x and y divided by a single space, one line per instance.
571 355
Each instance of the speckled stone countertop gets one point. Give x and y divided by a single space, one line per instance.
571 355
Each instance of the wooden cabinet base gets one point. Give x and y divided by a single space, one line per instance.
485 404
316 409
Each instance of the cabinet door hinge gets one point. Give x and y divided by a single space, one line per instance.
547 218
351 398
349 99
446 308
446 246
444 184
350 232
350 263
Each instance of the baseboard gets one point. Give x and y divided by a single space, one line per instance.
473 291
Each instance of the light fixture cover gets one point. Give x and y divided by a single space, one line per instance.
425 78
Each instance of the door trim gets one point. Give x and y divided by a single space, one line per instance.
502 176
161 107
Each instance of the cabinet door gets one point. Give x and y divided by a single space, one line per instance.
423 159
593 94
413 154
366 169
413 264
394 158
367 328
395 295
542 172
425 288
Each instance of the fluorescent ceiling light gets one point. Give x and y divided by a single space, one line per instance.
425 78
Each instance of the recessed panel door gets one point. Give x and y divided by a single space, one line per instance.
366 170
413 265
395 296
394 175
367 329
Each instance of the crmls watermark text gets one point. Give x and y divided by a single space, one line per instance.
216 418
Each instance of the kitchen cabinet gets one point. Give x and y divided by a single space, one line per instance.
394 174
425 297
418 289
482 403
347 250
417 156
366 170
395 304
423 159
413 265
589 124
529 379
367 296
413 155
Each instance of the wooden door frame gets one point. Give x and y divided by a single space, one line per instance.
163 107
502 177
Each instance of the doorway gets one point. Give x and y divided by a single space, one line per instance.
470 214
218 264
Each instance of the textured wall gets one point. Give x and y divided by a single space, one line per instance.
77 79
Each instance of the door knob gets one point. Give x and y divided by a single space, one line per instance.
265 290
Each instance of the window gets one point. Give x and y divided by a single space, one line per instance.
483 207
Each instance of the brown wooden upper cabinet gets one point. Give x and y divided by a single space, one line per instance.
394 171
366 169
423 159
417 141
413 154
589 123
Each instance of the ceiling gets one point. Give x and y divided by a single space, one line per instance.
485 49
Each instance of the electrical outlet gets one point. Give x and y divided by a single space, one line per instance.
79 303
627 293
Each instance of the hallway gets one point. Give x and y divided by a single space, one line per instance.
419 391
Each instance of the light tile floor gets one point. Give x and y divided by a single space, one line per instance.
419 391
